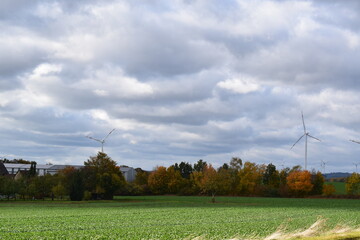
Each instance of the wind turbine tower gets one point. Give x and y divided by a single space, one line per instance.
306 134
323 165
101 141
356 164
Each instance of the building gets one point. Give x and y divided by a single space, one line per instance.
129 173
41 169
3 170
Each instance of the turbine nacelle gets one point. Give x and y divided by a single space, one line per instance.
101 141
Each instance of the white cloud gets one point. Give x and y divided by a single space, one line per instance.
113 82
353 39
241 85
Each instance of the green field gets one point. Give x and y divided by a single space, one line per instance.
170 217
339 187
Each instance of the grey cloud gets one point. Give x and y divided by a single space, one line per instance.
170 57
13 8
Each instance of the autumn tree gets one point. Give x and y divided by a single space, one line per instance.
353 184
328 190
175 180
250 178
226 180
210 183
299 183
158 180
195 183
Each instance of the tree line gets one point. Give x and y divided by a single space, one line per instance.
101 178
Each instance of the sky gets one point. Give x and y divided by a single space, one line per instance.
181 80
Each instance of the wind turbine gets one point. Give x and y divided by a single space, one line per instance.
101 141
356 165
306 134
323 165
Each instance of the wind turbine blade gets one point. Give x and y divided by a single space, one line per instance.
94 139
302 116
314 137
355 141
297 141
108 134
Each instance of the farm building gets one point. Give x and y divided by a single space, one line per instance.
129 173
43 169
3 170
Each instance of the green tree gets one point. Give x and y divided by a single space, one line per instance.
236 163
76 186
43 186
8 187
224 166
102 176
141 181
318 180
271 180
32 170
283 189
59 190
200 166
184 168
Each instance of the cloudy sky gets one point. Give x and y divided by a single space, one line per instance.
180 80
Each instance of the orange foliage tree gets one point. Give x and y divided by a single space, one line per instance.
328 190
210 182
299 183
158 180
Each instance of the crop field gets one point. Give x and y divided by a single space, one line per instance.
171 217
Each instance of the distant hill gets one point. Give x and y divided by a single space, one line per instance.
336 175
